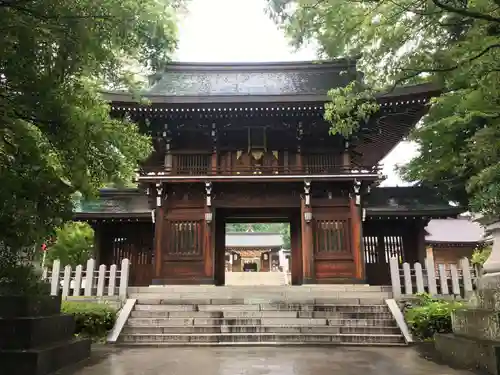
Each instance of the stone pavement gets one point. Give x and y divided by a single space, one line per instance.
264 361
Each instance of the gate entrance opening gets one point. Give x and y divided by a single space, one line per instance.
253 246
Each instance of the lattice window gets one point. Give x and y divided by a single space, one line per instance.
192 164
393 248
321 163
380 249
185 238
332 236
371 246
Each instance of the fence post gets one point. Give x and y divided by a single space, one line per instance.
395 277
407 276
54 279
464 263
66 281
112 280
100 280
124 272
431 275
455 284
443 280
419 276
89 277
78 281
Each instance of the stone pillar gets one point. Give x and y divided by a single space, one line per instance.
475 342
490 278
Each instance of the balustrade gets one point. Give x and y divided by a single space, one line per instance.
201 164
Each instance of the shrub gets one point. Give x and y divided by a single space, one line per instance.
92 320
426 316
479 256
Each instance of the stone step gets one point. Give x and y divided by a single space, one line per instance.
374 299
258 288
282 338
184 310
259 314
259 329
282 322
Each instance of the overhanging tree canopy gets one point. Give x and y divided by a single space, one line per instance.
56 135
453 43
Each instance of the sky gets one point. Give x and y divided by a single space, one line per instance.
240 31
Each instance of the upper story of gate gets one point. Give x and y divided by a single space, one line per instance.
262 121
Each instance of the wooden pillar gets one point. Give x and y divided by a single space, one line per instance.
220 251
298 161
213 161
159 219
420 240
295 262
346 157
307 244
168 157
356 239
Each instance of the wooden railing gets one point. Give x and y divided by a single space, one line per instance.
200 164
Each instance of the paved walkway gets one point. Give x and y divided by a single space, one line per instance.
265 361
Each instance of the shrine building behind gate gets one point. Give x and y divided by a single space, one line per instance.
248 143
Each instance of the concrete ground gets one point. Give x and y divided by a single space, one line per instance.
263 361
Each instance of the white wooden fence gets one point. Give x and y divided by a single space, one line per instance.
443 280
89 282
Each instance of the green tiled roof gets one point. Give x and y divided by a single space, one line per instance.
247 79
382 201
409 200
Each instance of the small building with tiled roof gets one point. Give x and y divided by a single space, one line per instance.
451 239
253 251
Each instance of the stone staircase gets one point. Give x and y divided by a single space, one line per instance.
257 315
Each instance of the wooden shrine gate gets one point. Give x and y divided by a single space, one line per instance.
325 233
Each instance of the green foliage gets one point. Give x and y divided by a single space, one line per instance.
57 136
73 245
282 228
255 227
285 236
427 316
18 276
349 107
455 45
479 256
92 320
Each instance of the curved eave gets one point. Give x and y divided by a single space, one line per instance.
401 110
398 95
442 244
388 214
113 216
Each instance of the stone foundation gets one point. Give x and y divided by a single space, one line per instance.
35 339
